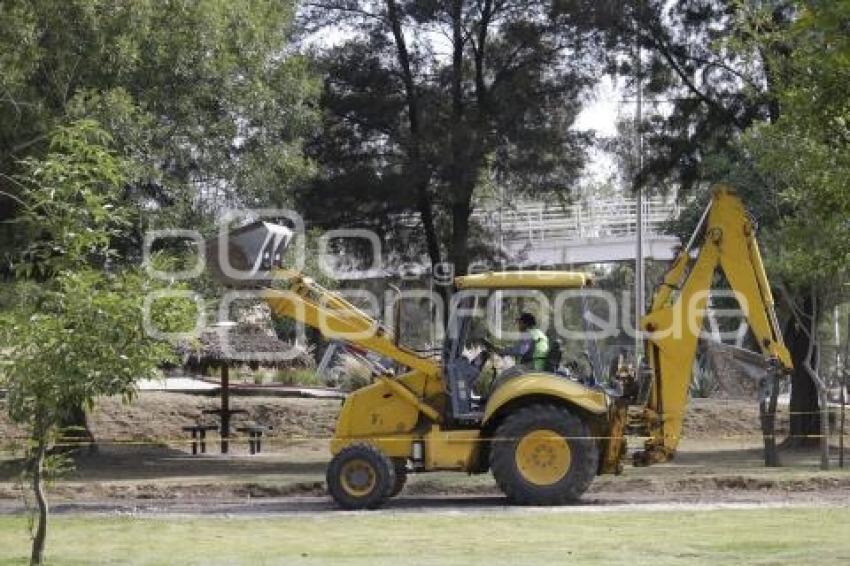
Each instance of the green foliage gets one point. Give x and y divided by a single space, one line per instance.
302 377
805 154
71 213
426 103
788 155
75 330
80 338
700 58
200 97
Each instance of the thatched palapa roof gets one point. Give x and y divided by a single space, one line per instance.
241 343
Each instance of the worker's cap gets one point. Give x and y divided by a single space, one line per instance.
527 318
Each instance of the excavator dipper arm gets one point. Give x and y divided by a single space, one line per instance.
675 320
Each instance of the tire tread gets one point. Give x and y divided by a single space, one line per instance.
584 455
385 477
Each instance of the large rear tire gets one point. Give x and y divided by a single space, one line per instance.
360 477
543 455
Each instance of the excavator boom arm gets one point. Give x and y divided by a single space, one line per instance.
306 301
676 317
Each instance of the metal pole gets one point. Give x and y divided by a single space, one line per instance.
640 282
844 372
225 407
837 330
640 277
841 426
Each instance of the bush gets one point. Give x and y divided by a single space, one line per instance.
297 377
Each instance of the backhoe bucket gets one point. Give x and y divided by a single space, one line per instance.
246 257
739 372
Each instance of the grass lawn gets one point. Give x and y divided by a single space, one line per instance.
763 536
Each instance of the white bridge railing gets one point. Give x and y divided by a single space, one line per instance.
591 219
590 231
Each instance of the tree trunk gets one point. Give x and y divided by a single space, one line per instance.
419 171
767 410
460 236
428 224
38 541
824 431
225 408
805 420
462 168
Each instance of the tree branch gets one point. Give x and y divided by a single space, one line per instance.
421 175
664 50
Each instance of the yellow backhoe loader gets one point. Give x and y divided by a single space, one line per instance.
543 436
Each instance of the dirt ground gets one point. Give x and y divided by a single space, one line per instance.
143 460
158 417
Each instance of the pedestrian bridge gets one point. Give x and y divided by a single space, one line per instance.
591 231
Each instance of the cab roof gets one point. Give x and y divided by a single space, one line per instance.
543 279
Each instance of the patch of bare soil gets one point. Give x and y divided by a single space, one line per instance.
727 418
159 416
197 491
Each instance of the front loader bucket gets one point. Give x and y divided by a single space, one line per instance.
246 256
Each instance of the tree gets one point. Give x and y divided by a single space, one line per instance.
726 71
704 76
424 102
76 331
204 98
805 154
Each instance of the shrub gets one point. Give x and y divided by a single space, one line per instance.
297 377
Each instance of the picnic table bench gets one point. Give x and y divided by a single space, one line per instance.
199 436
255 435
199 430
224 414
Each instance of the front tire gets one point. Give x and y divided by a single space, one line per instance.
543 455
360 477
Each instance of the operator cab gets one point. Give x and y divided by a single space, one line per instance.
482 315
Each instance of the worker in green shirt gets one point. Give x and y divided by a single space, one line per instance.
533 346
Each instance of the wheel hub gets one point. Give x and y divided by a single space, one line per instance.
358 478
543 457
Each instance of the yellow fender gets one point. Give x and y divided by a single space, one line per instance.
547 385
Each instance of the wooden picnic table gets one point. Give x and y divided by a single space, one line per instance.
224 414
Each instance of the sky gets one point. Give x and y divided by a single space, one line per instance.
600 115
